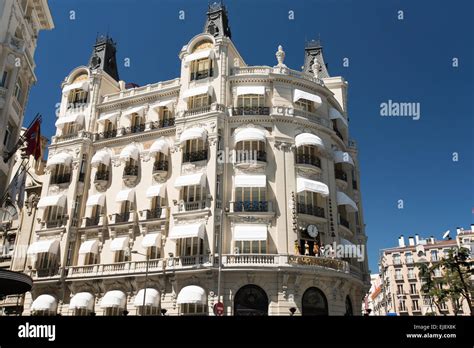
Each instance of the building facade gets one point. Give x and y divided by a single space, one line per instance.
20 24
231 182
400 291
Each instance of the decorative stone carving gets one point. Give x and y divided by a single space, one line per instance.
316 68
280 56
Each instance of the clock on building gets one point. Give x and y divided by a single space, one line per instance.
312 231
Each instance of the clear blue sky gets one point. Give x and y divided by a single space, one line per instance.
405 61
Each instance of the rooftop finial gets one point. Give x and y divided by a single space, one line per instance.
280 56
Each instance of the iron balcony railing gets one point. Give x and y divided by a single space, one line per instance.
250 110
122 217
160 166
58 222
130 171
202 74
308 159
101 176
188 206
195 156
310 209
137 128
251 206
108 134
92 221
155 213
341 175
167 122
61 179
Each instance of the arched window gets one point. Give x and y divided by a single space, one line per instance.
250 300
314 302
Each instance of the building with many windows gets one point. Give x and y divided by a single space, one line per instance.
400 288
20 24
231 182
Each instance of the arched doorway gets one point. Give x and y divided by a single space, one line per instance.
314 302
250 300
349 311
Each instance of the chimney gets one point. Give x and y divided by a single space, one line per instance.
417 239
411 241
458 230
401 241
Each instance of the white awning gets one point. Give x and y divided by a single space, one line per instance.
77 118
136 110
98 199
51 201
187 231
250 181
197 91
199 55
156 190
160 145
335 114
100 157
152 298
342 157
303 184
191 180
250 232
45 303
129 151
161 104
114 298
346 242
249 134
242 90
192 294
125 195
59 158
299 94
193 133
119 243
44 246
151 240
83 85
343 199
308 139
111 116
89 246
82 300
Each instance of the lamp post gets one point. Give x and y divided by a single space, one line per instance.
146 278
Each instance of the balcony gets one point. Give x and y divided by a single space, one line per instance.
250 111
92 221
168 122
137 128
308 160
344 222
203 74
251 206
338 133
205 109
341 175
130 171
56 223
101 176
61 179
160 166
195 156
155 213
108 134
310 209
190 206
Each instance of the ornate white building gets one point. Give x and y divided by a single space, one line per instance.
223 183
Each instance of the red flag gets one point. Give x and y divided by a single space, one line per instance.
33 139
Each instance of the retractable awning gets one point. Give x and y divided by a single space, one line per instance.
343 199
59 158
160 145
308 139
98 199
82 300
100 157
250 181
152 298
243 90
247 232
114 298
192 294
62 121
303 184
343 157
82 85
193 133
156 190
249 134
44 246
334 114
89 246
111 116
52 201
45 303
135 110
119 243
151 240
199 55
187 231
129 152
125 195
299 94
198 91
190 180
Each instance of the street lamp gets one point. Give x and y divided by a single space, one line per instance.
146 277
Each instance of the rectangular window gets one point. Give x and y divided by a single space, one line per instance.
415 306
413 289
443 306
437 272
201 69
250 100
409 258
121 256
6 139
434 255
77 99
396 259
190 246
305 105
18 91
193 309
91 259
195 150
113 311
398 274
402 306
153 253
250 247
411 273
199 101
400 289
4 80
